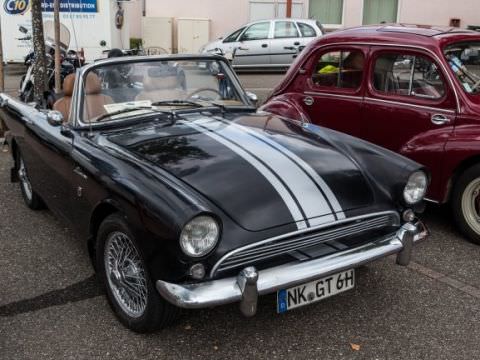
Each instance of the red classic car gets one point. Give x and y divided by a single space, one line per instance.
412 89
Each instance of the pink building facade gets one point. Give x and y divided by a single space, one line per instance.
227 15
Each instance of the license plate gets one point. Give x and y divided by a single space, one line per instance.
288 299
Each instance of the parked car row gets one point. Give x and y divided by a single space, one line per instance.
413 90
266 43
188 197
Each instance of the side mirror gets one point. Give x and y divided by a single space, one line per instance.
252 97
55 118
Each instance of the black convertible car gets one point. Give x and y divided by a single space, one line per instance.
190 198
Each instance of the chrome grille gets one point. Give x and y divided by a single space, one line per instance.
288 243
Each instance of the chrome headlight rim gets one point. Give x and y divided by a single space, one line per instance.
183 241
409 187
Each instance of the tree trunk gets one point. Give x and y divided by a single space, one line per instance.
39 66
56 19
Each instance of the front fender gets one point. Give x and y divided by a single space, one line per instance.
286 106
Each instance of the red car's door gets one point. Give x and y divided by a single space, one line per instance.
409 106
333 92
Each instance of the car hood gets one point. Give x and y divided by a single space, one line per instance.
263 171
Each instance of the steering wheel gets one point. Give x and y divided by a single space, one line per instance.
198 91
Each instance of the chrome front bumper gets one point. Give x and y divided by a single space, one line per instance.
250 283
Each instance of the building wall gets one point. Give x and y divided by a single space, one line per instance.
426 12
228 15
439 12
225 15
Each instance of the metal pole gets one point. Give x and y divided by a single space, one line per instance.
56 21
289 8
2 70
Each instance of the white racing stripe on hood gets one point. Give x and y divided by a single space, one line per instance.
261 168
310 199
303 165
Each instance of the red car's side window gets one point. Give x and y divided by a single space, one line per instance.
339 69
407 75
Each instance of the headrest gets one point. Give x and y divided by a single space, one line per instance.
68 84
93 86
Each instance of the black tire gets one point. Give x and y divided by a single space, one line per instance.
30 196
157 313
460 208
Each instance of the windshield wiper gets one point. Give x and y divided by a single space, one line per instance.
177 103
128 110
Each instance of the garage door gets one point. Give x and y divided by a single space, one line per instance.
377 11
326 11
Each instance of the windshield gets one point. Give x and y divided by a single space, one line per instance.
114 91
464 60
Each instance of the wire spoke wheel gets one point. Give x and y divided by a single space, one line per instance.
24 180
126 274
471 205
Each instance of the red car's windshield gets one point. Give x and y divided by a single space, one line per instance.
464 60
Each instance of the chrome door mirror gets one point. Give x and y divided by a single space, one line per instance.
252 97
55 118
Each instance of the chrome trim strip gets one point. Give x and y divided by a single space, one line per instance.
228 290
428 108
278 249
340 96
298 232
262 169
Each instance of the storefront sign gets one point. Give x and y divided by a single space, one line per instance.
78 6
16 7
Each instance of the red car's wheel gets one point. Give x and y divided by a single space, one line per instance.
466 203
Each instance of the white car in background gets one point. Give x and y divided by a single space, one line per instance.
266 43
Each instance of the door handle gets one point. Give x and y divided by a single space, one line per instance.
289 47
308 100
264 45
296 43
77 170
439 119
242 48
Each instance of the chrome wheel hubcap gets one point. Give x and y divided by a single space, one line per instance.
24 181
125 274
471 205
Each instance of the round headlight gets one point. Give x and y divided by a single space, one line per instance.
416 187
199 236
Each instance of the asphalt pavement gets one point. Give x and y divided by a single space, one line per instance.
51 306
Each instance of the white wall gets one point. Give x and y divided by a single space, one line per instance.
426 12
226 15
439 12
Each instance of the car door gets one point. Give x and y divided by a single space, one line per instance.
254 45
230 43
285 42
409 108
307 32
46 152
333 91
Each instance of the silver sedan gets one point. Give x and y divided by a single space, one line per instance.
266 43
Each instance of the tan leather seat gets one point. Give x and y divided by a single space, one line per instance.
63 104
161 89
94 99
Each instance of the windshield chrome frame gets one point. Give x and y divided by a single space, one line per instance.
82 73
